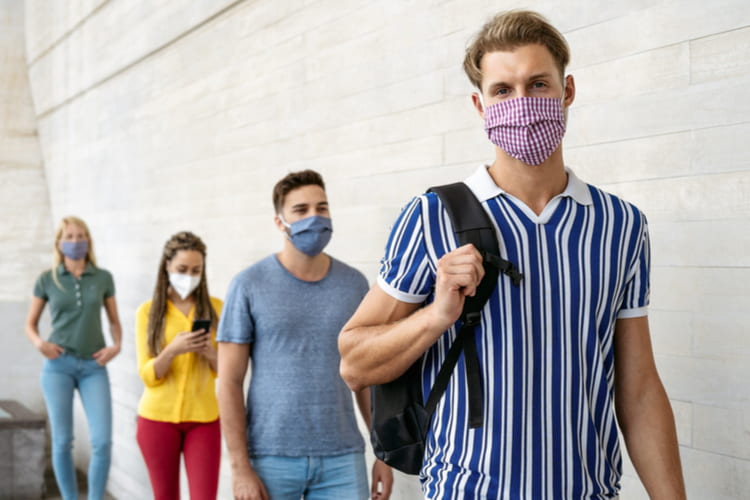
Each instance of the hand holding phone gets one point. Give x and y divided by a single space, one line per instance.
202 324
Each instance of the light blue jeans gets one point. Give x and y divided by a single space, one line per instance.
60 378
313 478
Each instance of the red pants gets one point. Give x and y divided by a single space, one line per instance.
161 444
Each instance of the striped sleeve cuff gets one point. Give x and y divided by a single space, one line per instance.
636 312
398 294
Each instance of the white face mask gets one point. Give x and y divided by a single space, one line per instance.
184 284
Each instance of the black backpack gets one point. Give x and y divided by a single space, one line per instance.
399 420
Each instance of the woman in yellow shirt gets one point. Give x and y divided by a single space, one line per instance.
178 412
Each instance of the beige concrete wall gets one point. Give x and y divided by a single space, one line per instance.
155 117
25 226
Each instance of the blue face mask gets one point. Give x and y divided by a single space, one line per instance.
75 250
310 235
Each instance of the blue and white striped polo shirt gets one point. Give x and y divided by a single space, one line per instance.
545 348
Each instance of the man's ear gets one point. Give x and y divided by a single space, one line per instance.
570 91
477 104
279 225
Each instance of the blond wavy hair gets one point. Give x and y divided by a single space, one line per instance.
58 256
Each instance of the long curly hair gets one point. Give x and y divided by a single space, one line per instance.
184 240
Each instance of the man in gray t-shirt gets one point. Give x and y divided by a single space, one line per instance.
297 436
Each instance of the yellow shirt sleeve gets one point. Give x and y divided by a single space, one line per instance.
145 360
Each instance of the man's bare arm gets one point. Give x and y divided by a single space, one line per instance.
381 483
385 335
233 361
644 413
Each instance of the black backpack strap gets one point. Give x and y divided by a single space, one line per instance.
465 341
471 225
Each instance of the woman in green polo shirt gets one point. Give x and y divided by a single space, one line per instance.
76 354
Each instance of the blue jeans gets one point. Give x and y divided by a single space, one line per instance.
60 378
313 478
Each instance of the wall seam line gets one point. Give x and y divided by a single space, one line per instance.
56 43
138 61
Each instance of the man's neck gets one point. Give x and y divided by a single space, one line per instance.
534 185
303 266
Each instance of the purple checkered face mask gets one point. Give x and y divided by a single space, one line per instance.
527 128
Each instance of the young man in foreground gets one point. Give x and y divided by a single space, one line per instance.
561 353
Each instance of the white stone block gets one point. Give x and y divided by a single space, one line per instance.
705 380
696 107
115 37
706 242
643 73
672 332
720 197
710 150
51 21
722 430
700 289
714 476
722 56
456 83
664 23
683 417
723 331
470 144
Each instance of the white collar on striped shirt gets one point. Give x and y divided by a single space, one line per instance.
484 188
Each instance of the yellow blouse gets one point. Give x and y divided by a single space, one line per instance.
187 392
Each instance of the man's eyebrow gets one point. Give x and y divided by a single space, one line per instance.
299 205
497 84
540 75
536 76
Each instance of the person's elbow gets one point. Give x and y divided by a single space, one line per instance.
148 376
351 376
636 402
229 388
348 369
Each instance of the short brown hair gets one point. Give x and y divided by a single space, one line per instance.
510 30
293 181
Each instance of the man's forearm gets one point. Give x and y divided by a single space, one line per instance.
378 354
651 438
363 403
232 411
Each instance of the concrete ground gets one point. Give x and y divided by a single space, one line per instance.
52 493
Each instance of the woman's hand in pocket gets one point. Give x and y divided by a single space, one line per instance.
49 350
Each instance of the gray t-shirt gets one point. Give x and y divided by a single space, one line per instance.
297 403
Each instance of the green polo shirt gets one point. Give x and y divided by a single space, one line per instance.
76 307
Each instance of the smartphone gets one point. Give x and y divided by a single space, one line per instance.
202 324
